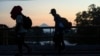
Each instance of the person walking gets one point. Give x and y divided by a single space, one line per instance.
16 14
58 35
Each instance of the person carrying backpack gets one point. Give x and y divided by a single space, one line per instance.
20 29
58 35
67 25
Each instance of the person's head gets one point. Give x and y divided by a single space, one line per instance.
16 10
53 11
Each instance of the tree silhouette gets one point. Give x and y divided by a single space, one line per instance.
89 17
88 23
94 13
82 18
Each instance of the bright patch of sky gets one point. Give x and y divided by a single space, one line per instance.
39 10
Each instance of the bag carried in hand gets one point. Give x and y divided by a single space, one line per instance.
27 23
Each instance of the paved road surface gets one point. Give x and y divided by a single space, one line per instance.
48 50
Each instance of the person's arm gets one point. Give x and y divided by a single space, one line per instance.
19 19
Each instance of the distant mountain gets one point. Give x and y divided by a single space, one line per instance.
46 30
44 25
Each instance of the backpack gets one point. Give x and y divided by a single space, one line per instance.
27 22
66 23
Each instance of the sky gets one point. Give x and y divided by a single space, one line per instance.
39 10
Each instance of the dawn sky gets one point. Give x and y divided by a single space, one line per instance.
38 10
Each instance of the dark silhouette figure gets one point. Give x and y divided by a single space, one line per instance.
16 14
58 35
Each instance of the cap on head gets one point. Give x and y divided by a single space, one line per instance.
53 11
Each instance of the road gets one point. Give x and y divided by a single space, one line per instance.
48 50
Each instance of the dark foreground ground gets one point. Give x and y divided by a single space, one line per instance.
48 50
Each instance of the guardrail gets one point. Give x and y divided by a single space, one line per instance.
34 34
79 34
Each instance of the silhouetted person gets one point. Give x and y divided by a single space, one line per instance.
16 14
58 35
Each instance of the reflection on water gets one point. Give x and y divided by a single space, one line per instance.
50 43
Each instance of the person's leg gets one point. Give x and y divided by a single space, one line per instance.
28 48
20 48
54 40
20 42
61 44
24 44
62 41
19 45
